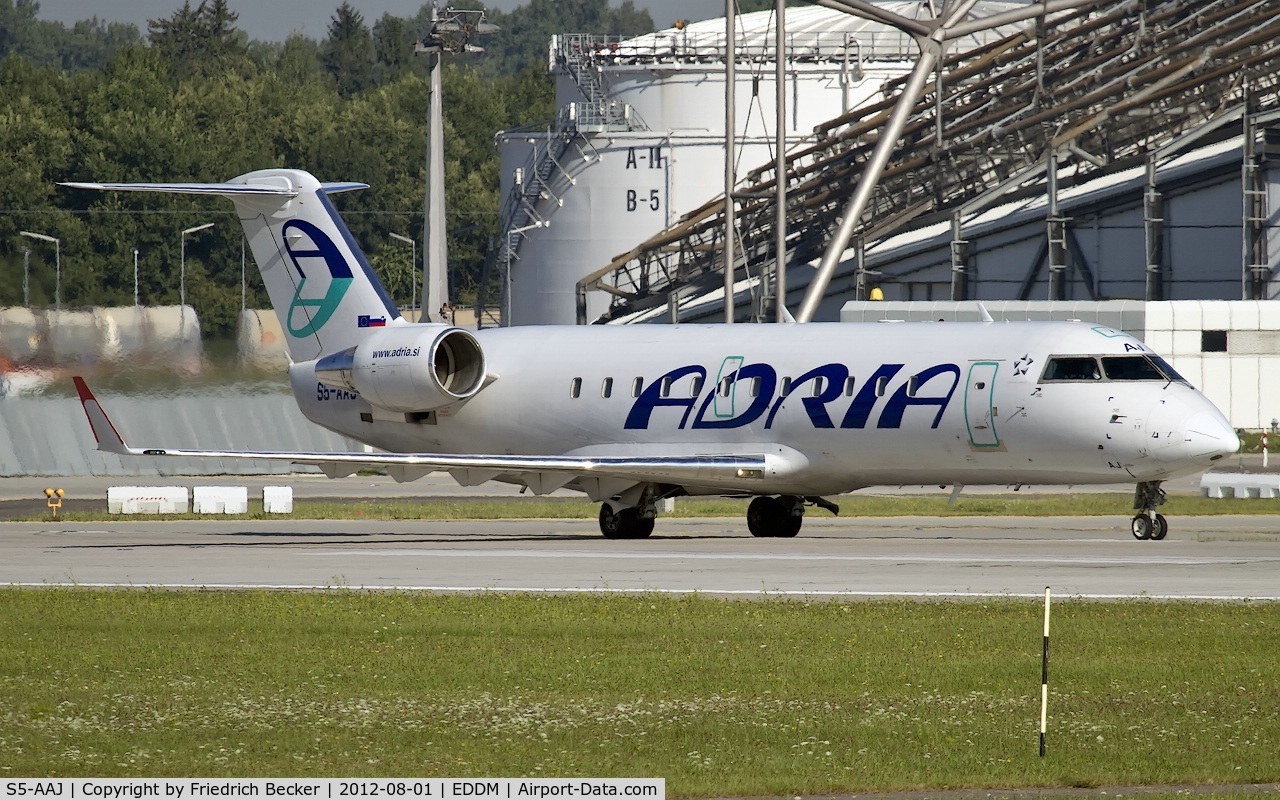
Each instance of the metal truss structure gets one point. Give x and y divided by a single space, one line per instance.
1086 88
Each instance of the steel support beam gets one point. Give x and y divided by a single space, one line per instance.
1153 226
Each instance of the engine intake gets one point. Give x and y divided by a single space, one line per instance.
409 368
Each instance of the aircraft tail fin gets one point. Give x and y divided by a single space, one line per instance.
324 292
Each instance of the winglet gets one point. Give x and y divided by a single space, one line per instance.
108 438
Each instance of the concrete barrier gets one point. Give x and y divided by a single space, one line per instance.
1240 484
277 499
147 499
220 500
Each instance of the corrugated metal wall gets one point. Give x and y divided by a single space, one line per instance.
43 435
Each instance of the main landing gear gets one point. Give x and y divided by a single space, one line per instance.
626 523
782 516
1147 524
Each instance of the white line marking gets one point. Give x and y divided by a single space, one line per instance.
956 559
615 590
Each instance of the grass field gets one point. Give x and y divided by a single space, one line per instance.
718 697
1020 504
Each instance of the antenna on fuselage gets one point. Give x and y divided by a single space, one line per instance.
982 310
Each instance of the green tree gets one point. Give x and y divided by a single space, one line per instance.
393 48
200 41
348 52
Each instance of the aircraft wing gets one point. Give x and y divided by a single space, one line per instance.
598 476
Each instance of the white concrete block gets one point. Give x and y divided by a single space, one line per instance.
1160 341
1215 315
1268 391
1159 316
1240 484
277 499
147 499
1269 316
1190 367
1185 343
1244 409
1216 383
1245 315
220 500
1186 315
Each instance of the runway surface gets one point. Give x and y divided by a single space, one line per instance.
1226 557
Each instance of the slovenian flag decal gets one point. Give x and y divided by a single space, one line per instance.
366 321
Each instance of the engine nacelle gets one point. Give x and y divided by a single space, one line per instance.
409 368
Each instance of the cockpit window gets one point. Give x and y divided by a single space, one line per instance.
1168 370
1131 368
1071 368
1114 368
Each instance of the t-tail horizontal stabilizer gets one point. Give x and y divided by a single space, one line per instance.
727 470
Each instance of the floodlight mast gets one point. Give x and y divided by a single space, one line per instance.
451 31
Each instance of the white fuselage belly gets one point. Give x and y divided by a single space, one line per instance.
928 403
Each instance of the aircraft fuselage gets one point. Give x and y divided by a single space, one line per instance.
847 405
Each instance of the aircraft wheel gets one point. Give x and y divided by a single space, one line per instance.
1161 529
790 527
642 527
611 524
1142 527
764 516
626 523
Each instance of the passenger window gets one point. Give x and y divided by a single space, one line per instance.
882 383
1131 368
575 388
755 386
637 386
1071 368
724 386
913 383
786 386
695 386
817 386
606 389
665 391
848 386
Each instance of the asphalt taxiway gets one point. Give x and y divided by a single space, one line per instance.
1224 557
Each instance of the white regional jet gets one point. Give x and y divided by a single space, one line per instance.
630 415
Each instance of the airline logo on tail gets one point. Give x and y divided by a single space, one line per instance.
314 255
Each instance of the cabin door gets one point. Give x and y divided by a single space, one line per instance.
979 411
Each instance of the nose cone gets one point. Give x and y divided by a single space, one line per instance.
1209 437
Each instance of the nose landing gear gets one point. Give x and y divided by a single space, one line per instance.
1147 524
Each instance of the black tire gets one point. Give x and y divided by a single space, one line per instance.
763 516
1161 529
624 524
1141 527
611 524
790 526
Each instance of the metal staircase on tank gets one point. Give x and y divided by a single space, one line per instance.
1100 85
539 185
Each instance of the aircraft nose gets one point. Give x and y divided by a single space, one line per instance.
1209 436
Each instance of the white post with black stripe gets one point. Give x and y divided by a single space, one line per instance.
1044 674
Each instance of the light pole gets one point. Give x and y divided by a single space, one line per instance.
26 276
413 267
506 288
135 278
57 260
182 266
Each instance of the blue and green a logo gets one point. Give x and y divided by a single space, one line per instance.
316 311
